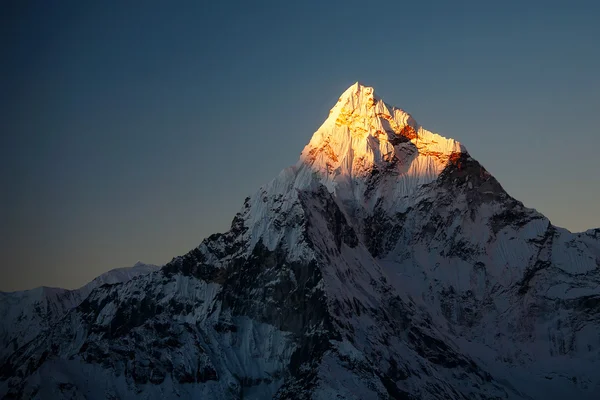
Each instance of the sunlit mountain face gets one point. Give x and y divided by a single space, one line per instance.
387 263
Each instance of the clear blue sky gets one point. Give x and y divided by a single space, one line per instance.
132 132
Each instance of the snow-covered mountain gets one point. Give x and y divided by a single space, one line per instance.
26 313
387 263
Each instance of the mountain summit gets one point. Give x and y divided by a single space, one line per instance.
387 263
364 136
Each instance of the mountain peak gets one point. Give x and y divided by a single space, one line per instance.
379 266
363 134
359 90
357 98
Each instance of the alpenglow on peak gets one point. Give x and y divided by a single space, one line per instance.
363 134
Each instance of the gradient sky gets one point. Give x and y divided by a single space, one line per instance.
132 133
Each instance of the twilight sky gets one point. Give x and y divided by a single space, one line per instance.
132 133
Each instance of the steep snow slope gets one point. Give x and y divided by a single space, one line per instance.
26 313
387 263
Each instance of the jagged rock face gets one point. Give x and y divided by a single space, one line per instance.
387 263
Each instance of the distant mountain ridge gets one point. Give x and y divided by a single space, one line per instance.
387 263
25 314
